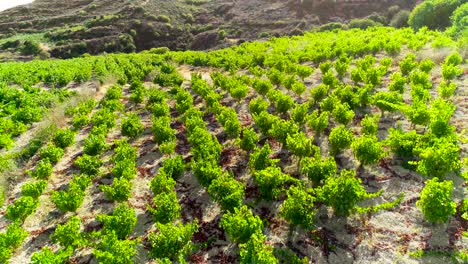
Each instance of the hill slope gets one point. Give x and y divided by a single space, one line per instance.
71 28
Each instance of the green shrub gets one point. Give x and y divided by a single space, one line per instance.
89 165
271 182
298 209
367 149
434 14
227 191
115 251
436 200
249 139
172 241
400 19
95 144
256 251
120 190
340 138
362 23
241 224
132 126
121 222
318 169
34 189
63 138
174 167
46 255
21 208
166 207
69 234
43 169
51 153
459 21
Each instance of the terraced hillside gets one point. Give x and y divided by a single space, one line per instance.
71 28
322 148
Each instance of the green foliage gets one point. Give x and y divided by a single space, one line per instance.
13 237
10 240
21 208
138 92
282 102
71 200
206 171
271 182
33 189
370 125
162 131
319 92
298 209
438 159
446 89
95 144
241 224
459 21
132 126
69 234
362 23
343 114
300 145
228 119
258 105
319 122
89 165
226 191
114 251
47 256
51 153
441 112
400 19
249 139
450 72
255 251
43 169
63 138
162 183
172 240
387 101
426 65
299 114
120 190
367 149
113 93
343 192
103 117
260 158
174 167
402 143
340 138
408 64
317 168
436 200
434 14
166 207
418 113
262 87
121 222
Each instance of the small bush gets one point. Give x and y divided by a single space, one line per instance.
52 153
132 126
434 14
400 20
64 138
34 189
43 169
436 200
363 23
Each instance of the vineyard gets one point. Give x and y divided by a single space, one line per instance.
344 146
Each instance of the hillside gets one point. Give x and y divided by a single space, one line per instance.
71 28
344 146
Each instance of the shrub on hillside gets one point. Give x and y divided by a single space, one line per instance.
400 19
363 23
434 14
460 21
